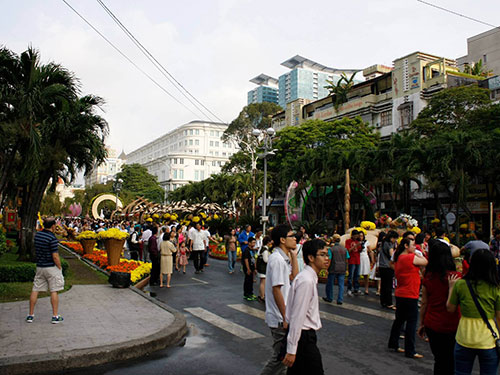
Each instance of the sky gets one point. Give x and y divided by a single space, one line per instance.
214 47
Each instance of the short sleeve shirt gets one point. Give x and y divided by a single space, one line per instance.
407 276
45 245
247 255
277 273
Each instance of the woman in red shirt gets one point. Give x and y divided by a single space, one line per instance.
407 271
436 322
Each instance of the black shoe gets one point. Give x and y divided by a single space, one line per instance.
339 303
196 272
327 300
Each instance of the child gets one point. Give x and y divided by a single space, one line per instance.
249 270
183 260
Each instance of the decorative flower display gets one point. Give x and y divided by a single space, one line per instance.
196 219
416 230
435 221
156 216
406 220
137 269
87 235
112 234
368 225
360 229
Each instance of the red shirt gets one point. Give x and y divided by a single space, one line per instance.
354 257
436 316
407 276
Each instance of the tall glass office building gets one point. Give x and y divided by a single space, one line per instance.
266 91
307 80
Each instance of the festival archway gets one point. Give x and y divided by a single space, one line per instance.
101 198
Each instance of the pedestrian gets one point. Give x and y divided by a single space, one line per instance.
407 271
230 241
495 246
249 270
365 261
154 255
385 269
375 271
436 323
474 337
146 235
182 256
198 245
336 271
262 259
244 236
208 237
168 248
354 247
302 313
134 239
281 269
48 270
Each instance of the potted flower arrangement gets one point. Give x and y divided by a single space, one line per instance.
114 239
87 239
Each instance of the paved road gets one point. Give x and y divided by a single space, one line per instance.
228 334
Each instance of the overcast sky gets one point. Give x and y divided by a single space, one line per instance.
214 47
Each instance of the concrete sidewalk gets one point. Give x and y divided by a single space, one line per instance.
101 324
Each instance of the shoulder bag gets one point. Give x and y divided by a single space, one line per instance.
483 315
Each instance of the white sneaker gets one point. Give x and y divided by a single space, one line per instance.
349 293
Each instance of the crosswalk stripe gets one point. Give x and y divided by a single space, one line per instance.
339 319
324 315
364 310
226 325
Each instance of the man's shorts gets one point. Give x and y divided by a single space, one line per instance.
48 278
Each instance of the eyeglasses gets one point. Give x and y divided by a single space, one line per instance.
291 235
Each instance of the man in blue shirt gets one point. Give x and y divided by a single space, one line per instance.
244 236
48 270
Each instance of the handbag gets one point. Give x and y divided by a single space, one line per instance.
483 315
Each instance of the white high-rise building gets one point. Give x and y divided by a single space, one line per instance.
108 169
191 152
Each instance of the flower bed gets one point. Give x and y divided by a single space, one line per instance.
138 270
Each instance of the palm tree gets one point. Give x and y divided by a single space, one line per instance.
53 133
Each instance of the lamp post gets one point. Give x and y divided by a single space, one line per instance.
117 186
267 136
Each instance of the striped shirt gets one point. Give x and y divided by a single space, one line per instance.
45 244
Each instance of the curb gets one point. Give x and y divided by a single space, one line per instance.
81 358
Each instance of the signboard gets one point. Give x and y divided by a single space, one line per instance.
451 218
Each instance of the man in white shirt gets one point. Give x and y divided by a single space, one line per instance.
302 313
282 267
198 244
145 241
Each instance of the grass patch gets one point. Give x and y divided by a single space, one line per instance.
79 273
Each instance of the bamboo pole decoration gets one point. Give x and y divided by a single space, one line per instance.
347 201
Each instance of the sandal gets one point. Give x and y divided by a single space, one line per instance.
400 350
391 307
416 356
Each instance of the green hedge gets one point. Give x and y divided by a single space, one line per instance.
23 271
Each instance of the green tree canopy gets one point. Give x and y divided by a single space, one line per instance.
138 182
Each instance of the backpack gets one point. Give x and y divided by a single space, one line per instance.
261 265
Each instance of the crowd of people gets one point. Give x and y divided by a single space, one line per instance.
455 312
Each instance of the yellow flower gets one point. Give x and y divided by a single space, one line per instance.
174 217
166 216
416 230
435 221
216 216
446 239
87 235
156 216
359 229
196 219
464 226
112 233
203 215
149 220
368 225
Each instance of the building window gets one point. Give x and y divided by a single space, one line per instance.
196 175
223 154
406 114
386 118
181 173
211 143
216 143
202 175
181 161
196 151
190 131
196 162
190 142
185 132
196 142
197 131
219 163
202 162
211 133
214 163
175 173
163 175
211 152
185 142
216 153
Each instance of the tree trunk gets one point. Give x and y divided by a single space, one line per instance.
6 170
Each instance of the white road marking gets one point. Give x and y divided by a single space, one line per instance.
201 281
324 315
226 325
364 310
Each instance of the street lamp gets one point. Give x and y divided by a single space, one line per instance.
267 136
117 186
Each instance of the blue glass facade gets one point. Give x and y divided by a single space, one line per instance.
303 83
263 94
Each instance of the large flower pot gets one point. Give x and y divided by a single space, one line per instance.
119 279
114 250
88 246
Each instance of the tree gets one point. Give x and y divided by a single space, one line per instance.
51 205
51 132
138 182
340 90
477 69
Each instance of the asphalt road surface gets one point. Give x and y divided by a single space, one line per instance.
228 335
